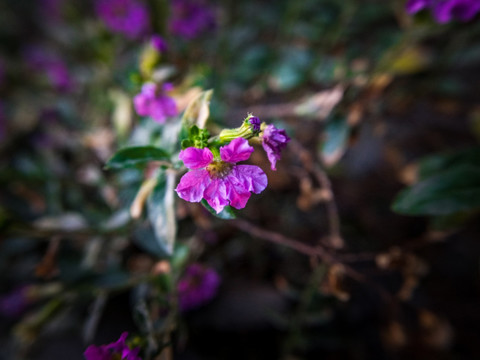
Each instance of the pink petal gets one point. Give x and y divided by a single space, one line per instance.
236 192
216 194
141 104
237 150
192 185
252 177
195 158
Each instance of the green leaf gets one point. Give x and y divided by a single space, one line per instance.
292 69
337 133
136 155
456 189
226 214
161 211
437 163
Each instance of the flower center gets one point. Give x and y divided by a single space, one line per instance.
219 169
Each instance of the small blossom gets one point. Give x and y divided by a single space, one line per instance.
128 17
255 122
220 181
155 103
116 350
274 141
190 18
159 43
197 286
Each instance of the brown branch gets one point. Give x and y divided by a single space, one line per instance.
335 238
311 251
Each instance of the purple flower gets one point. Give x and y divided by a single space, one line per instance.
154 103
219 180
159 43
414 6
274 141
463 10
50 65
112 351
445 11
128 17
197 286
15 303
190 18
255 122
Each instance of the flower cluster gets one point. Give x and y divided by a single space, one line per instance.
197 286
154 102
127 17
116 350
445 11
215 174
190 18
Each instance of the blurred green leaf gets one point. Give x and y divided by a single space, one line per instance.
436 163
198 110
161 211
453 190
292 69
226 214
137 155
336 137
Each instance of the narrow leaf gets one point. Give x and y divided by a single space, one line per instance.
137 155
161 211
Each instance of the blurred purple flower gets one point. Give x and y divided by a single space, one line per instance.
463 10
159 43
414 6
44 62
190 18
197 286
15 303
274 141
128 17
152 101
52 9
445 11
112 351
220 182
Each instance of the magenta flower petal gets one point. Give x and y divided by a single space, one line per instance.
94 352
193 184
141 104
414 6
195 158
463 10
237 150
216 194
237 193
118 349
252 177
274 141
